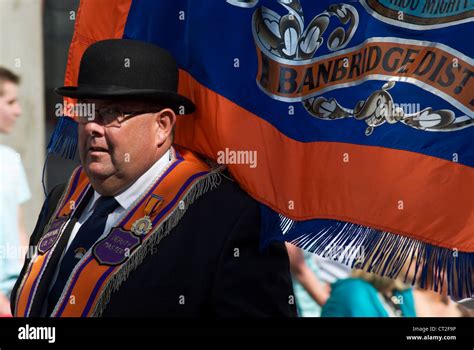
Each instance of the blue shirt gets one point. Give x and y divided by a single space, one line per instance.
13 192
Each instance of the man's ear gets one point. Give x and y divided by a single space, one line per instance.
165 120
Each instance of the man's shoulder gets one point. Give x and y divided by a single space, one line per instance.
55 194
49 206
228 194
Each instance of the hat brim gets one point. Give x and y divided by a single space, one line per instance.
178 103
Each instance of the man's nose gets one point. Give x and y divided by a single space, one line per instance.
93 128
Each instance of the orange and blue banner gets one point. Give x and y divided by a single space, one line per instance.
357 117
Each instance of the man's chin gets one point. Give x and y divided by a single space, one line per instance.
98 171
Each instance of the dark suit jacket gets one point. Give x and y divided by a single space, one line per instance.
209 265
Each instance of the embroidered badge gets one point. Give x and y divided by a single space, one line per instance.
116 247
50 238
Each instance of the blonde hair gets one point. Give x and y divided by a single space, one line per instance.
382 284
404 261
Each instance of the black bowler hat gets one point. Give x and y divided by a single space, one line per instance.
129 69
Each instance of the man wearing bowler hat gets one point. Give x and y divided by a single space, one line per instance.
144 227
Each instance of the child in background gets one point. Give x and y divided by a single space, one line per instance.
14 191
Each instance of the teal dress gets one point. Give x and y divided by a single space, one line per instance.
354 297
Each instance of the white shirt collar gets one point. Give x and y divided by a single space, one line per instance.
128 197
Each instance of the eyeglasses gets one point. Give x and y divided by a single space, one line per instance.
108 116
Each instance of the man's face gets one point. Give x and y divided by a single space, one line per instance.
10 108
114 156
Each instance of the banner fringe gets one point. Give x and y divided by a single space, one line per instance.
388 254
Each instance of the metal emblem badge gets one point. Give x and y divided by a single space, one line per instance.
142 226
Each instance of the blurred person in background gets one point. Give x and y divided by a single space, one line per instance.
310 292
369 295
14 192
